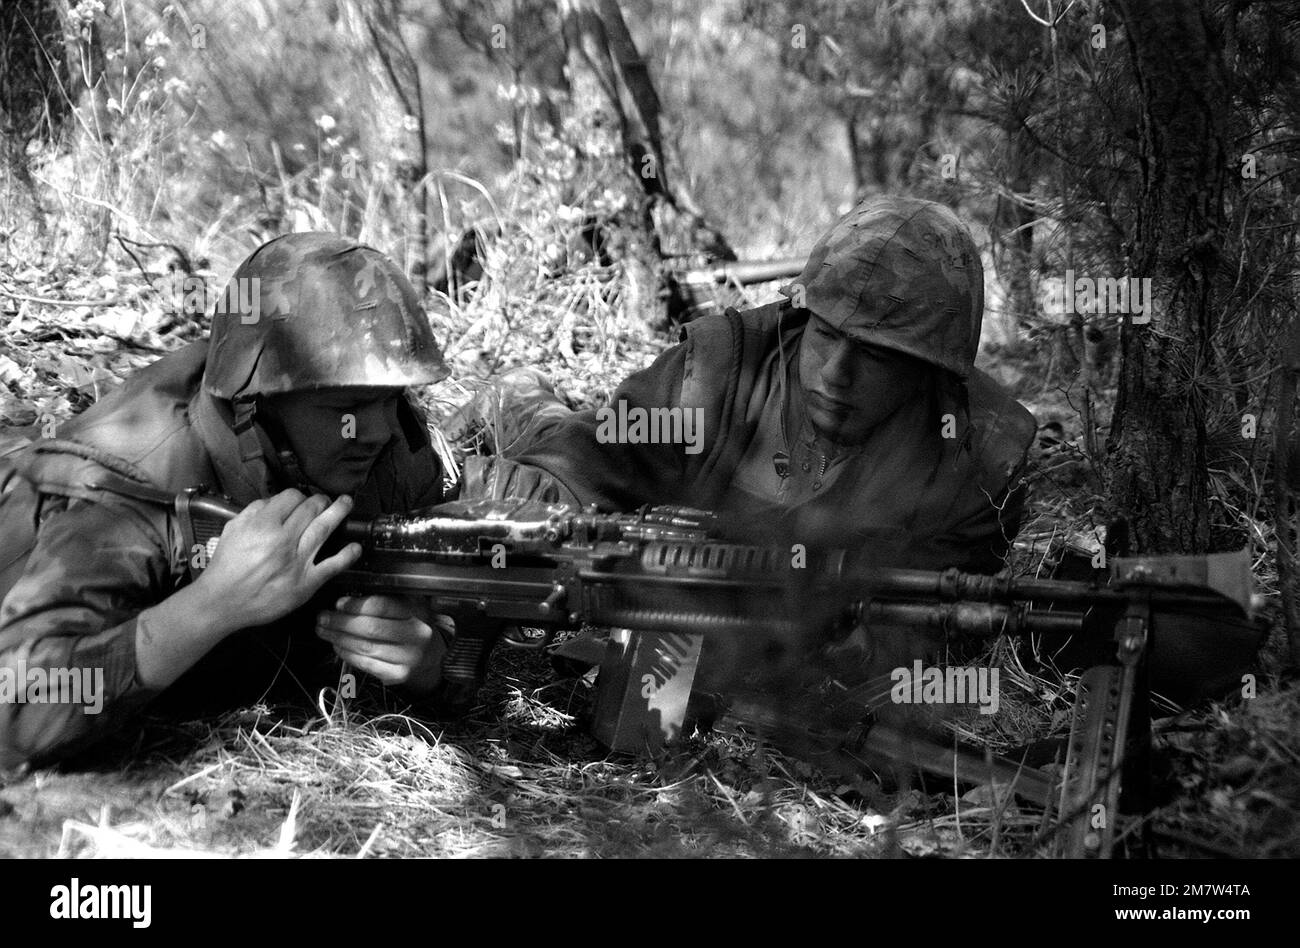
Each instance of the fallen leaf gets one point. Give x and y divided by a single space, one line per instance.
116 321
10 373
74 372
16 411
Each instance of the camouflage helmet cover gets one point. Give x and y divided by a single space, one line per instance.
901 273
316 310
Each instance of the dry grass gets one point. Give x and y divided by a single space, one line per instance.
521 778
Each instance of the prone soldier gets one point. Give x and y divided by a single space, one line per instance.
296 407
848 415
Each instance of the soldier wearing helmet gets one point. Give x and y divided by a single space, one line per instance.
848 415
295 407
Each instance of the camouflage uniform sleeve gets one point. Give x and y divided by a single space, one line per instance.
987 522
70 621
979 542
499 478
575 463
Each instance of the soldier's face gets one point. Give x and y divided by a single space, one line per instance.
850 387
337 433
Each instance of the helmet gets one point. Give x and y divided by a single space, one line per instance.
903 274
317 310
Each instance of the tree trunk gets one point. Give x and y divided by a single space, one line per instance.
34 73
1286 474
383 23
1013 238
599 43
856 157
1156 465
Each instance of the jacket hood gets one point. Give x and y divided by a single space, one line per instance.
901 273
136 441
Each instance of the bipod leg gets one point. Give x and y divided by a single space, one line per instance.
1109 745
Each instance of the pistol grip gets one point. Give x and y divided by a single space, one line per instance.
465 666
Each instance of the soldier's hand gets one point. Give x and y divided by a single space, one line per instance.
395 638
263 569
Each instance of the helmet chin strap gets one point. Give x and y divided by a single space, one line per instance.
781 459
284 463
291 471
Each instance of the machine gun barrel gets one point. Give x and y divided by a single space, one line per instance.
953 585
692 293
747 272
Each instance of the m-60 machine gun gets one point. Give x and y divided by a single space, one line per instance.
670 578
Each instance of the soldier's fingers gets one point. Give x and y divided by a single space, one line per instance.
364 646
323 524
444 625
390 673
252 507
284 503
322 572
389 607
306 512
397 631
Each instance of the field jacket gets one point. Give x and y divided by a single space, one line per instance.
103 544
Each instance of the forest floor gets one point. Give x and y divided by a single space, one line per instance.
521 775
